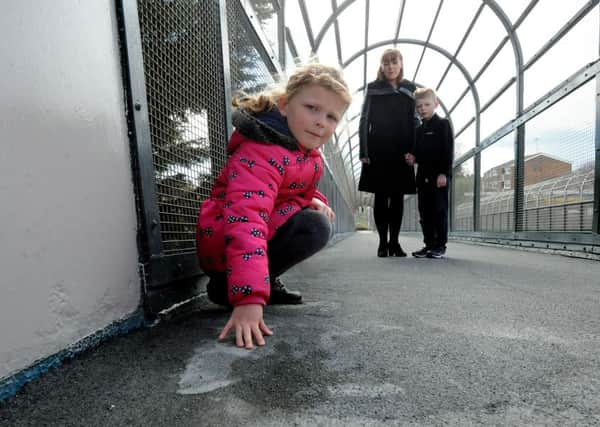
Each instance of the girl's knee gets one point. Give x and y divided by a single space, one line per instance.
318 225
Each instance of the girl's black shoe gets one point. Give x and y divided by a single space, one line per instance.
382 250
282 295
396 250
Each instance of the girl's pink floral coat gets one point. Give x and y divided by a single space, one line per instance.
261 186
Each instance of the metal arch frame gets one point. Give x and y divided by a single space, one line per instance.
502 17
435 18
257 32
444 108
520 131
166 279
351 149
440 50
336 28
596 184
353 119
560 34
518 78
461 44
316 42
345 129
573 21
307 26
347 179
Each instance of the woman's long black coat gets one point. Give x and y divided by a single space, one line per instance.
386 133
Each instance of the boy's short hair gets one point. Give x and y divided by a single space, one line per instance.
425 92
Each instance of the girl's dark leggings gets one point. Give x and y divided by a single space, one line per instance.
303 235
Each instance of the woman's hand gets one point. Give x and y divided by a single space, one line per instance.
365 160
247 321
318 205
442 181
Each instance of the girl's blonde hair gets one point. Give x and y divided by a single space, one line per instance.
388 55
312 74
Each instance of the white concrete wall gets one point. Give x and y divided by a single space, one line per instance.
68 255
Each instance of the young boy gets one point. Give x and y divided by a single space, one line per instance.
433 153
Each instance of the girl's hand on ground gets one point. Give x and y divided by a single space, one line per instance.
318 205
247 321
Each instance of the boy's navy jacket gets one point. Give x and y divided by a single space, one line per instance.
434 149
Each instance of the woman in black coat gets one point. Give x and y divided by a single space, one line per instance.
387 133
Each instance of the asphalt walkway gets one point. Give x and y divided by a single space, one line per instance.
487 336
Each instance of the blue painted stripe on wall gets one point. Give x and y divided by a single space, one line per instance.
11 385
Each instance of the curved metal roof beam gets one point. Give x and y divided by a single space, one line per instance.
516 45
336 28
432 46
357 115
330 20
437 14
492 4
494 7
351 120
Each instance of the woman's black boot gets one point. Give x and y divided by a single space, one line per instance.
382 250
396 250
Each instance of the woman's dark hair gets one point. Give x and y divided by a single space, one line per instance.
388 55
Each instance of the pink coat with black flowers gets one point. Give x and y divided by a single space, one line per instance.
261 186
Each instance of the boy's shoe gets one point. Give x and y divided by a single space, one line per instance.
437 253
281 295
422 253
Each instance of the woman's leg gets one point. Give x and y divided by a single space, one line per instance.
395 220
381 217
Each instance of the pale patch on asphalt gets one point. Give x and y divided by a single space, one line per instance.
210 367
495 330
385 328
331 338
310 420
326 309
365 390
527 333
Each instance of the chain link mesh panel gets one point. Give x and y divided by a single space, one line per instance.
463 182
496 205
250 72
181 47
559 167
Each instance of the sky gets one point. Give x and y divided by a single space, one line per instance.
550 131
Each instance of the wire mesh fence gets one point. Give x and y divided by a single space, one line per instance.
184 86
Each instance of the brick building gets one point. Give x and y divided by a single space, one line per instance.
538 167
